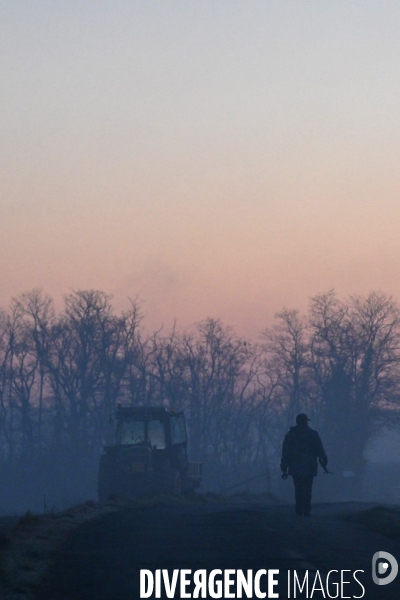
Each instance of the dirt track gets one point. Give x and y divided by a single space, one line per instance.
102 558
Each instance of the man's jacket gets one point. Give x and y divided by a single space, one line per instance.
302 447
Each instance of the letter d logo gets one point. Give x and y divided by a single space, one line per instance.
383 568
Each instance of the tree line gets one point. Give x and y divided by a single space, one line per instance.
62 375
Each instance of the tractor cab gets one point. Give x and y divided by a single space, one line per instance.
149 456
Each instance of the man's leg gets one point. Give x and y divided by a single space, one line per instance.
297 480
303 491
306 494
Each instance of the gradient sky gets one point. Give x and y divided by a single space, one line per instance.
215 158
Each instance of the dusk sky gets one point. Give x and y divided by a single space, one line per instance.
214 158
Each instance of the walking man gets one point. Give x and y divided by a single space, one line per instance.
301 448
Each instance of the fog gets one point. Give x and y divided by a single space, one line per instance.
63 374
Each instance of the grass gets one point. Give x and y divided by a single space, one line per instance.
382 519
26 549
4 538
28 521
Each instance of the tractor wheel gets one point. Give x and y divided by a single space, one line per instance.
173 484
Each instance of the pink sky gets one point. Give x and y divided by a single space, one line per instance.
214 159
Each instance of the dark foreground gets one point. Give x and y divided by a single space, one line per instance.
102 559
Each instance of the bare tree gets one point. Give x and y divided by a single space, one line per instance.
37 311
355 357
86 366
6 395
287 366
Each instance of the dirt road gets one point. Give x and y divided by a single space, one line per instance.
103 558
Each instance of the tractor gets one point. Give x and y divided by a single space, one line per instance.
149 456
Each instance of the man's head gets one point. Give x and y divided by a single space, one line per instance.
302 419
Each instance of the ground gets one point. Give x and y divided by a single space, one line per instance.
100 556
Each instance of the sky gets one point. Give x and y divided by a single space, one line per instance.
218 158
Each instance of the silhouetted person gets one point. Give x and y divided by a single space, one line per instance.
301 448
